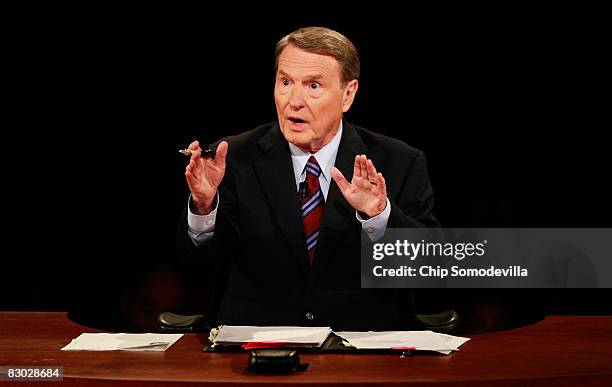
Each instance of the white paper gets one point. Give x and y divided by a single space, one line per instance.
309 336
122 342
420 340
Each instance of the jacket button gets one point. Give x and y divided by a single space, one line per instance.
310 316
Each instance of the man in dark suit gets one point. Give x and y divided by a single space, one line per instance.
279 213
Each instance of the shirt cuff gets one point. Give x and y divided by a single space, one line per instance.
199 224
376 226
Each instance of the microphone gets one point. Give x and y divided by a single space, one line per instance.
303 190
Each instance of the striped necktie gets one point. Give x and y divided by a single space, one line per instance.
312 207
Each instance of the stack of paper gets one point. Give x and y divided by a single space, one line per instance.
122 342
415 340
254 336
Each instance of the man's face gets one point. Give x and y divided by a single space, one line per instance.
310 97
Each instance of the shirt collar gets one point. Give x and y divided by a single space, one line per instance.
326 156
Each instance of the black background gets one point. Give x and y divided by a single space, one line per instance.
508 106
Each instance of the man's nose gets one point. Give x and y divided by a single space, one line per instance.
296 99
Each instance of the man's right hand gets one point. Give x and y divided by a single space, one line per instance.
204 176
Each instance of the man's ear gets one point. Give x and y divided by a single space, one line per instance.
349 94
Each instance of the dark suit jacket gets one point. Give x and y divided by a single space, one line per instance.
258 251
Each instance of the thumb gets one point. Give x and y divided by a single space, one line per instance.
338 177
221 152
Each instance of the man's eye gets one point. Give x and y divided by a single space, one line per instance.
315 85
285 82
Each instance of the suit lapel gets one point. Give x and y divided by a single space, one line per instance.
274 170
338 213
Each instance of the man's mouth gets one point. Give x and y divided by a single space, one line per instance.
297 120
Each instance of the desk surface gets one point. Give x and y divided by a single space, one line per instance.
560 350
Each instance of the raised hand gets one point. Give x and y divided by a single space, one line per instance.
204 176
367 191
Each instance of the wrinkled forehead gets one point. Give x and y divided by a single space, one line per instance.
298 63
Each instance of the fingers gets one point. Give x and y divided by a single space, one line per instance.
363 167
376 178
194 145
192 179
357 167
381 184
192 170
371 170
360 168
196 150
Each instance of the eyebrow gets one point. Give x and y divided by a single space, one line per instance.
308 77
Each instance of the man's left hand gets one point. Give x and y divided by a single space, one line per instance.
367 191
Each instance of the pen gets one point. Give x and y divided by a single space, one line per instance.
207 152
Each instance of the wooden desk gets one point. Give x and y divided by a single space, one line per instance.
559 350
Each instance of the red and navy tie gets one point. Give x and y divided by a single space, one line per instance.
312 207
